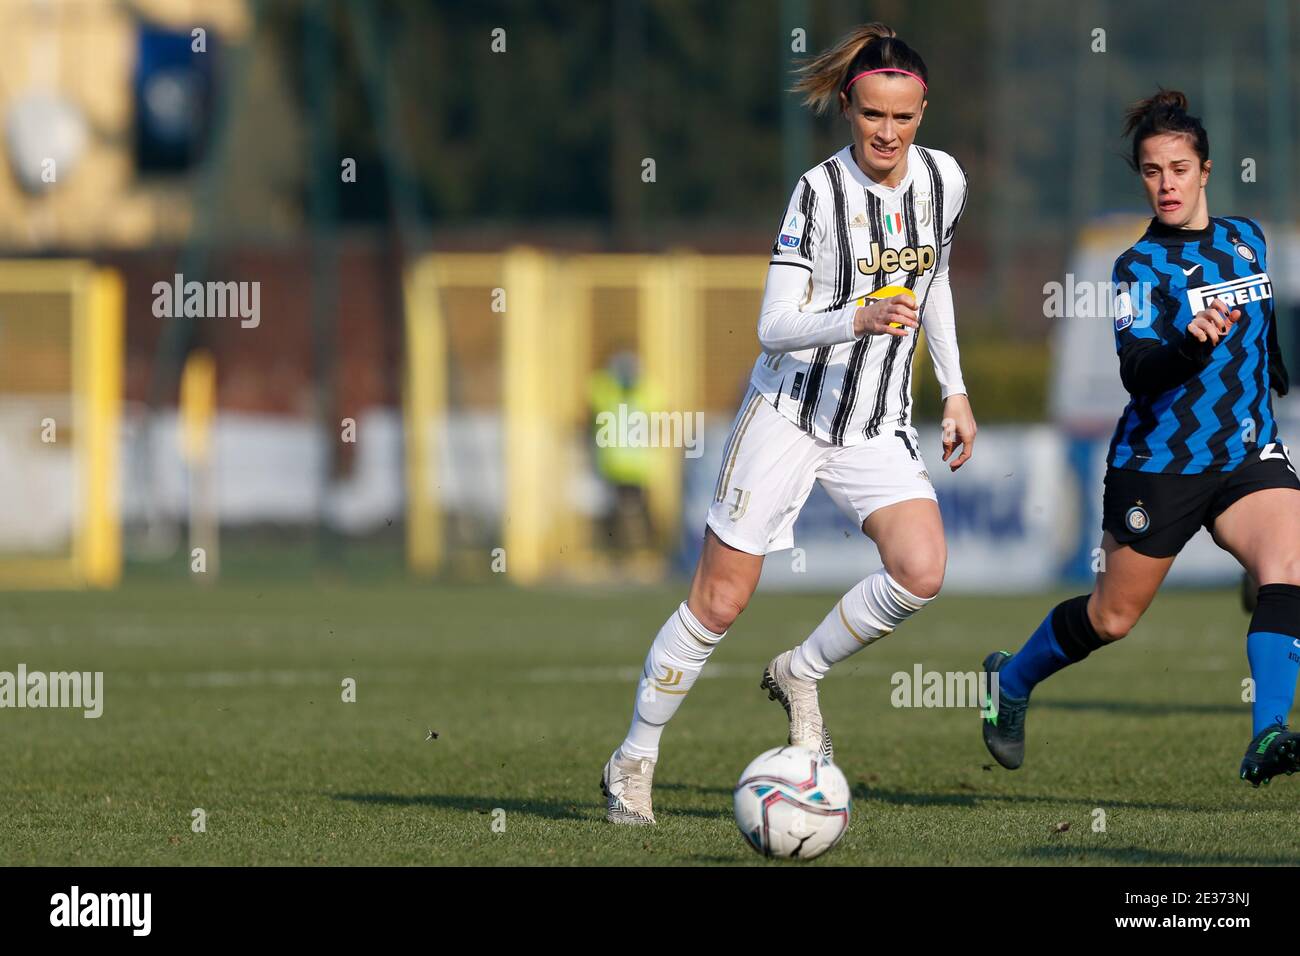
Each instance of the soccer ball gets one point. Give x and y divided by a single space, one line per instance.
791 803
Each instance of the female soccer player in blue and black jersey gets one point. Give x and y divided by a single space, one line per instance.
1196 445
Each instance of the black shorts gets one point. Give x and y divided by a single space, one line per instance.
1157 514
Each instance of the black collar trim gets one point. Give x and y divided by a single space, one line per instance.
1158 230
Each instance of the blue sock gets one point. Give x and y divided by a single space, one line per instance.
1040 658
1273 649
1275 665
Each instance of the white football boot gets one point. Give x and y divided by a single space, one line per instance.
626 783
799 698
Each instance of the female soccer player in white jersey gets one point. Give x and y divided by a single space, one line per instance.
860 258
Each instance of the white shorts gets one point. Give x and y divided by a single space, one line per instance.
769 465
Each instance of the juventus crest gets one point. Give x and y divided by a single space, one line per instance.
924 209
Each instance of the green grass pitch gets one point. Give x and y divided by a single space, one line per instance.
230 700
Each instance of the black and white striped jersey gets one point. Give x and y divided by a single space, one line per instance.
843 239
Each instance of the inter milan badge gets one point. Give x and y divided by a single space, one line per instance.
1245 252
1137 520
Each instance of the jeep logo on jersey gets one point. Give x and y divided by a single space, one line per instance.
915 259
1254 288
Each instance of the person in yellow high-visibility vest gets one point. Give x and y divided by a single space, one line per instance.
617 396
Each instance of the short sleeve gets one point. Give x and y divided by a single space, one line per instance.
800 232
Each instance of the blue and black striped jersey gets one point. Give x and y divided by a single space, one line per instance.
1193 408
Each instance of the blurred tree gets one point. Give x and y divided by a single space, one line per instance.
555 127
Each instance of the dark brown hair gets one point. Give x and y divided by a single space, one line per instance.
873 46
1166 112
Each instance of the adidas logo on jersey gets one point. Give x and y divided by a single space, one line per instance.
859 222
914 259
1234 292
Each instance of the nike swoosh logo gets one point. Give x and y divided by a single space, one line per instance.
1188 272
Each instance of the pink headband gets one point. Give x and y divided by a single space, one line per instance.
886 70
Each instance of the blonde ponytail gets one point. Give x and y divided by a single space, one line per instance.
821 78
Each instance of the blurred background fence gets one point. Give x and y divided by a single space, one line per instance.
404 254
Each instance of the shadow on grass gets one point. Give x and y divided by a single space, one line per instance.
550 810
974 798
1132 854
1144 708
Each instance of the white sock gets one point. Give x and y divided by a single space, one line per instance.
871 609
676 658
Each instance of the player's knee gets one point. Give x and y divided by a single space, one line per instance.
1282 570
720 603
1112 623
921 573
